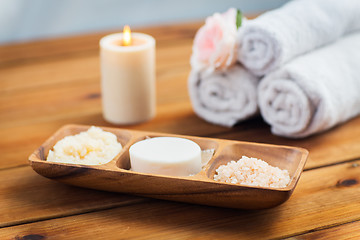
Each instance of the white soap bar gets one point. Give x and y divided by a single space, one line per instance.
166 155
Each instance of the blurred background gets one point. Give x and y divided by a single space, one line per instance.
26 20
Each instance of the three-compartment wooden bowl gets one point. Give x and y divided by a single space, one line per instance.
116 175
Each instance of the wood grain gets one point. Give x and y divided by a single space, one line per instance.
74 68
324 198
344 231
14 54
28 197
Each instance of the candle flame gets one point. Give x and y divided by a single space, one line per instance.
126 36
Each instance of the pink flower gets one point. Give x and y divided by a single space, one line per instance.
215 43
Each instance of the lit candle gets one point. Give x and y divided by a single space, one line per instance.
128 77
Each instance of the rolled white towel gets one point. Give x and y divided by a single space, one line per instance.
278 36
315 91
224 97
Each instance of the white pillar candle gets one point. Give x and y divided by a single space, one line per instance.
166 155
128 78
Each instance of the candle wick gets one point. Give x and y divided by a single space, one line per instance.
126 41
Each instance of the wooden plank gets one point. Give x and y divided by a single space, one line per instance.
346 231
14 54
27 197
73 68
324 198
76 99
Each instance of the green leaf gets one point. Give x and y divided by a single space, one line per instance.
238 19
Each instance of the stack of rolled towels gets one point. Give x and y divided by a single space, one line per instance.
299 66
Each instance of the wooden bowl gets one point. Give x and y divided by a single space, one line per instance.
116 175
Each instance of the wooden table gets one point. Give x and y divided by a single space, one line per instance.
47 84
